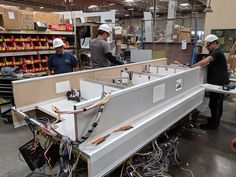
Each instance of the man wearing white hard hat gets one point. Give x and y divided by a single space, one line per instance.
217 74
61 61
101 55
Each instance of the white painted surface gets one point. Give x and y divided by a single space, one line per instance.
63 86
158 93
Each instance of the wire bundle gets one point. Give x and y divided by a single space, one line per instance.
66 164
153 163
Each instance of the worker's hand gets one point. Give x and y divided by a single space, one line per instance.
233 145
180 64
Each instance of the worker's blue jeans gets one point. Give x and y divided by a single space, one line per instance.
216 106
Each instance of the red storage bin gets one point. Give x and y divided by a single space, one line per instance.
37 46
19 39
2 61
44 66
34 39
1 38
44 59
30 68
37 67
9 39
18 60
3 47
28 60
20 46
36 58
27 39
69 27
10 61
29 45
43 39
11 46
45 46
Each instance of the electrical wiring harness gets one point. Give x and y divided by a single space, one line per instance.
66 144
152 163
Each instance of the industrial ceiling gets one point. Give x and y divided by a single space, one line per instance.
123 8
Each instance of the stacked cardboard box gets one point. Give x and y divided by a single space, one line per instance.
27 20
48 18
181 34
10 18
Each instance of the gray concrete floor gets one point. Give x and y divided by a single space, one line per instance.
205 153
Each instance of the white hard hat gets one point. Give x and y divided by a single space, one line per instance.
105 27
211 38
57 42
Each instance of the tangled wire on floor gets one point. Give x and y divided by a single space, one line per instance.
154 163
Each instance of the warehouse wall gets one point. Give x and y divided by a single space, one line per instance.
223 16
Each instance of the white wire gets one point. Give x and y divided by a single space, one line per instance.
188 171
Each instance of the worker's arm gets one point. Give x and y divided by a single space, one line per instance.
49 71
76 68
75 63
203 62
113 59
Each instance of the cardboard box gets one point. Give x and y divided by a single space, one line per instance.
10 18
27 20
48 18
185 36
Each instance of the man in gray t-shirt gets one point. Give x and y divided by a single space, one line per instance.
100 49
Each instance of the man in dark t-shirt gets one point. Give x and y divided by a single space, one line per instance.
61 61
216 74
101 55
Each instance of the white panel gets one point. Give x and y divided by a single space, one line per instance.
108 89
158 93
172 7
165 71
123 75
84 43
63 86
153 69
148 26
90 90
139 79
140 55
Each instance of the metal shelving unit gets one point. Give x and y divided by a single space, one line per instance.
23 53
22 48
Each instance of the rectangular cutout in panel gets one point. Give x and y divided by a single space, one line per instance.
179 84
90 90
63 86
158 93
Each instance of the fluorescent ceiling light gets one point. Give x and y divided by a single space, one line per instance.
130 8
112 4
152 8
184 5
129 0
41 7
126 15
93 7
